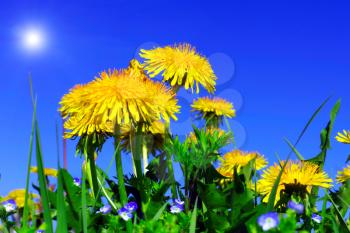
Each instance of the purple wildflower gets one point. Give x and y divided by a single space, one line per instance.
268 221
105 209
9 205
125 214
77 181
317 218
175 209
179 202
297 207
131 206
177 206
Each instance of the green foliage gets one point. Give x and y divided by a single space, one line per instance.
210 205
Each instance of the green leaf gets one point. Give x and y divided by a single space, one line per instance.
343 225
212 197
159 212
194 218
61 205
42 182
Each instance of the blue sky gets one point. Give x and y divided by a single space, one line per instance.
277 61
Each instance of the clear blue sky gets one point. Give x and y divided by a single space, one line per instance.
282 59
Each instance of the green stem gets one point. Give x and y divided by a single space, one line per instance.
186 190
92 166
144 157
171 176
120 175
137 151
121 184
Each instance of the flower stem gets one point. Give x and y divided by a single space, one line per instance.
137 151
144 157
171 176
92 166
121 184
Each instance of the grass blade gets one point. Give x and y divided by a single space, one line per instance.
272 197
159 212
61 206
30 155
343 225
296 152
109 199
42 182
309 122
194 218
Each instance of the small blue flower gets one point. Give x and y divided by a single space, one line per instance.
40 231
9 205
105 209
77 181
125 214
317 218
268 221
177 206
297 207
175 209
179 202
131 206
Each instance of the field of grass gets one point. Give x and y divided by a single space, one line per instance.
237 191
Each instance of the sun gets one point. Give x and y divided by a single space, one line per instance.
33 39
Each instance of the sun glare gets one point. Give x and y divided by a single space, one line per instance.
33 39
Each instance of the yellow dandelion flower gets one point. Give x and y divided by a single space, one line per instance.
343 137
216 105
181 66
47 171
18 195
116 97
239 159
343 175
297 177
135 68
153 135
213 110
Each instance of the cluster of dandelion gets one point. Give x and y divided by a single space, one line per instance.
220 187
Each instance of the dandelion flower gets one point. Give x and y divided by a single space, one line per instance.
180 66
298 177
47 171
239 159
116 97
18 195
213 110
343 175
343 137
